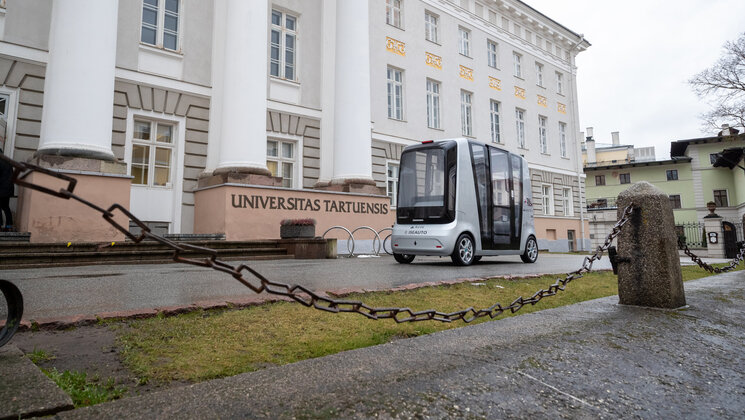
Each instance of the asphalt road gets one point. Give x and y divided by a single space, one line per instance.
69 291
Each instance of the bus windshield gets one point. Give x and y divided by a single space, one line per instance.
422 178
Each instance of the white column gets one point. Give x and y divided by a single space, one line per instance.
239 79
352 138
79 83
328 82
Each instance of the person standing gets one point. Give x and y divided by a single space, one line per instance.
6 191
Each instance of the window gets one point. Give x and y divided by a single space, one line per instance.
563 139
720 198
392 184
466 117
625 178
570 240
520 126
430 26
280 160
433 104
393 13
559 83
672 174
548 200
395 94
492 53
465 41
160 23
517 62
152 153
599 179
675 201
567 202
283 46
542 134
539 74
494 119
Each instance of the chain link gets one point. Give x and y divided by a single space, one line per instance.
695 258
258 283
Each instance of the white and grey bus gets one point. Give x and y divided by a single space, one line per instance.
464 199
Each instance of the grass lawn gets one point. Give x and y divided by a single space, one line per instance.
209 344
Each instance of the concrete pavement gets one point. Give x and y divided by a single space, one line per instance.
595 359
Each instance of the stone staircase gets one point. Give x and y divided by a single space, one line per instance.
16 254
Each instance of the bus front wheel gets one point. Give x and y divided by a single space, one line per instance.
531 251
463 252
404 258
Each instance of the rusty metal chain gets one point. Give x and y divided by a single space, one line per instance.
710 268
300 293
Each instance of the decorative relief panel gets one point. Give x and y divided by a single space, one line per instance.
519 92
542 101
466 73
395 46
561 107
495 84
433 60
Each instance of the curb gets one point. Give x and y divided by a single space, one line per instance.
67 322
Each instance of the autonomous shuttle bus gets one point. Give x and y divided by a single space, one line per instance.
464 199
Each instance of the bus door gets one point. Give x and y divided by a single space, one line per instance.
517 199
480 164
502 217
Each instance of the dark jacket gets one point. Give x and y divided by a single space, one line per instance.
6 176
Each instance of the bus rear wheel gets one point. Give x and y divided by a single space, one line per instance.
531 251
463 252
404 258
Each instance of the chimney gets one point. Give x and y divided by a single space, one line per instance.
616 139
590 149
589 132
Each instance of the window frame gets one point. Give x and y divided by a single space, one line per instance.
600 178
391 85
543 134
567 201
434 116
153 144
517 64
466 113
159 27
393 195
563 139
494 125
539 74
282 46
671 174
676 203
626 176
549 197
718 200
559 83
492 55
520 127
431 28
281 160
464 41
390 13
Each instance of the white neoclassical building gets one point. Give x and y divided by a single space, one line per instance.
221 116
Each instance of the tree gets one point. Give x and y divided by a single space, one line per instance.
724 84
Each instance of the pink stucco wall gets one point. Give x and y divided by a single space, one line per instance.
52 219
244 212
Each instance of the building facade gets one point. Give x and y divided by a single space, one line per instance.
283 99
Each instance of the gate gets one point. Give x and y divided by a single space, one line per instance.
730 239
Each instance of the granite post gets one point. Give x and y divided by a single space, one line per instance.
649 271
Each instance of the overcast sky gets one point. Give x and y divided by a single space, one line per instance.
633 79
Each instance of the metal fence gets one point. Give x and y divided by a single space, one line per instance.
692 234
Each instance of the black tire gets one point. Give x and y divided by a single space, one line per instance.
531 251
14 306
404 258
463 252
477 258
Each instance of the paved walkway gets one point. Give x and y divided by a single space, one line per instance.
52 293
590 360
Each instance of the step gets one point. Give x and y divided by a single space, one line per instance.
18 248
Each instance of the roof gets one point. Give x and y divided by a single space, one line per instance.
673 161
580 36
678 147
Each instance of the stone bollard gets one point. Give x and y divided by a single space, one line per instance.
649 270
